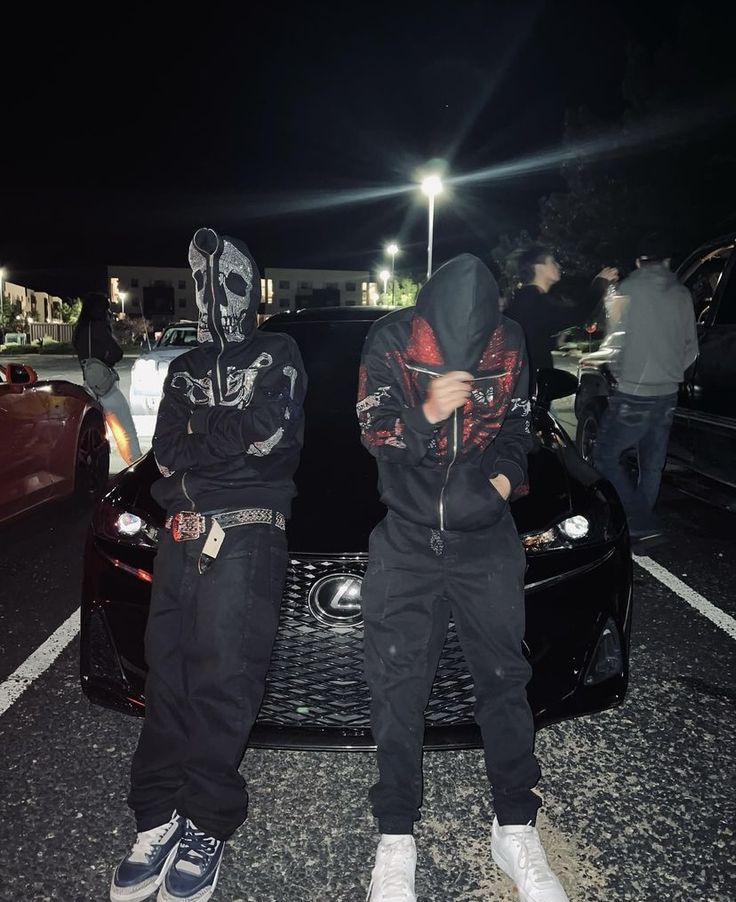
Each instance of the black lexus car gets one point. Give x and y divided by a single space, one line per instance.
578 580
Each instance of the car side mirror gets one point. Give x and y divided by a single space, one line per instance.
20 374
554 384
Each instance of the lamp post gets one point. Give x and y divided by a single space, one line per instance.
2 293
122 295
431 186
384 275
392 250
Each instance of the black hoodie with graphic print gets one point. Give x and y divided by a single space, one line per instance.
437 475
230 424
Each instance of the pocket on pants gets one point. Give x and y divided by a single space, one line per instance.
630 414
239 542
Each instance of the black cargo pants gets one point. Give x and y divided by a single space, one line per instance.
208 646
415 580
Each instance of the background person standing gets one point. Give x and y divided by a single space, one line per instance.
93 339
538 314
659 343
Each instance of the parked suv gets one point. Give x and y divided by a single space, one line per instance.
703 436
150 369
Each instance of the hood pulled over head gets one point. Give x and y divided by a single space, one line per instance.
228 287
456 313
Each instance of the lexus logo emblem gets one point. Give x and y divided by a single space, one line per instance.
335 599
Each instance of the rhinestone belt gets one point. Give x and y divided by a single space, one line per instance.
188 525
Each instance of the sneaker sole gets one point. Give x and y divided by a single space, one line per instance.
202 896
139 893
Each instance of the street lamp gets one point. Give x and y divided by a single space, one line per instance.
431 186
384 275
2 292
392 250
122 295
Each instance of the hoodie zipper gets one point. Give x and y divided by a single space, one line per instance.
449 467
214 321
184 488
428 372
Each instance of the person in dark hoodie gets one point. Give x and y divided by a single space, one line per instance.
443 405
538 314
93 340
659 343
227 442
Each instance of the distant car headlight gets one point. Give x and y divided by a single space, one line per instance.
144 367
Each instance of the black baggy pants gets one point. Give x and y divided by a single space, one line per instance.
413 584
208 645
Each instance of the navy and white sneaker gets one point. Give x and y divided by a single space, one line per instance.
193 875
143 869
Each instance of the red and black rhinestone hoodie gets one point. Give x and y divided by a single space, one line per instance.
437 475
230 425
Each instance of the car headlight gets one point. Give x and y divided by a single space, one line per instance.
575 527
118 524
566 534
601 523
144 370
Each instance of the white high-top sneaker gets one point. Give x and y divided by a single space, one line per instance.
392 879
518 851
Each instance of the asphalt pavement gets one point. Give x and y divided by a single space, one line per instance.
639 801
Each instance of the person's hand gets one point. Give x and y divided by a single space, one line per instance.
609 273
502 485
445 394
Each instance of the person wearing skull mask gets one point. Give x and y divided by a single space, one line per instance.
443 406
227 442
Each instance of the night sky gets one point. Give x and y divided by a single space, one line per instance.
277 123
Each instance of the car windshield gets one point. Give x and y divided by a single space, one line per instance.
178 337
331 354
334 466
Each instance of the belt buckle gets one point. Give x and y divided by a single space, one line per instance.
187 525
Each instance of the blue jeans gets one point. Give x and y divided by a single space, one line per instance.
641 424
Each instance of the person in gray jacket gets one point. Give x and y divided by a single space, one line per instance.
660 342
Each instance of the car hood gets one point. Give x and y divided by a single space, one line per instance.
337 505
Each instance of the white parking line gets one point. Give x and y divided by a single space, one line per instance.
721 619
37 663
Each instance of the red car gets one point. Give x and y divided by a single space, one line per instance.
52 441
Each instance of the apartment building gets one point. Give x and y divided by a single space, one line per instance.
291 289
32 306
167 293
